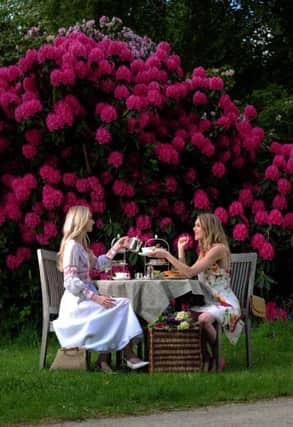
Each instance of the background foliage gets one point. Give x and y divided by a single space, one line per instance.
251 38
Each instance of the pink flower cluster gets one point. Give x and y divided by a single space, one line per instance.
119 129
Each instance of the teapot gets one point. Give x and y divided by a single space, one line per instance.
134 244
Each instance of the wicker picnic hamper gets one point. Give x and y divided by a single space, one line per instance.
174 351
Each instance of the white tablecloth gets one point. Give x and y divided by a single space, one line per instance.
149 298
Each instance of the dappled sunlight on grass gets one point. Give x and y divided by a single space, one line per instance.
46 395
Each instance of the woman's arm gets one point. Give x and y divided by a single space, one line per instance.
72 269
182 244
216 253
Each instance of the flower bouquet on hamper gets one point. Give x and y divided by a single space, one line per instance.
174 342
174 320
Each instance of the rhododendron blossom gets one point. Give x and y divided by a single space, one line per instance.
104 118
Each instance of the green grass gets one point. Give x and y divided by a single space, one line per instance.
28 395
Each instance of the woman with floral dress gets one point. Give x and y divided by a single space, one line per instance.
86 318
213 270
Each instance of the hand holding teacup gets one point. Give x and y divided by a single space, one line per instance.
158 253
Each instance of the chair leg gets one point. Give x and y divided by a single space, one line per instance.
218 346
44 344
247 327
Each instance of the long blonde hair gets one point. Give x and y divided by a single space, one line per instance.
213 232
74 229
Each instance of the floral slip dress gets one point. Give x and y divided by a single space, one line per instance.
221 301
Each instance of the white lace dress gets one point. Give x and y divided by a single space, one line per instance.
223 303
81 321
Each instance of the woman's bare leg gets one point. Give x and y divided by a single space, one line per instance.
209 335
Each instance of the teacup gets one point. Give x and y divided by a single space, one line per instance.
121 275
147 250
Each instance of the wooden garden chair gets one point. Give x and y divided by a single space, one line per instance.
242 283
52 291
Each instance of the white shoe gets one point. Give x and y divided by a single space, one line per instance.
136 365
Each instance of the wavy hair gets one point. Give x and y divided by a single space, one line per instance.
76 220
213 232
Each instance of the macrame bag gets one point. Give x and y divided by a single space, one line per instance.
74 358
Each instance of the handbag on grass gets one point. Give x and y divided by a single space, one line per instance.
258 306
74 358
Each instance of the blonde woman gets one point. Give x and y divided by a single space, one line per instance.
86 318
213 270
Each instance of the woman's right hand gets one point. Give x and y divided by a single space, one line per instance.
104 300
183 242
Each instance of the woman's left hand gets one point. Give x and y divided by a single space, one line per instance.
159 253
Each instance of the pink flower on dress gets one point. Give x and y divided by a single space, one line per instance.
201 200
103 135
222 214
240 232
267 252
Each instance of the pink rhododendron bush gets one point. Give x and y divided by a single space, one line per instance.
115 125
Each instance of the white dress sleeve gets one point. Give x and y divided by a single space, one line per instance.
73 269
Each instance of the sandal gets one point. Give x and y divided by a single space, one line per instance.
104 367
135 363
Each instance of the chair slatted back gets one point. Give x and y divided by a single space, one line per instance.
242 278
51 281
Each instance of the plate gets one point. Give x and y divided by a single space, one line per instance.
144 254
120 278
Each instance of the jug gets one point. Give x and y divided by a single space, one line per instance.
134 244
